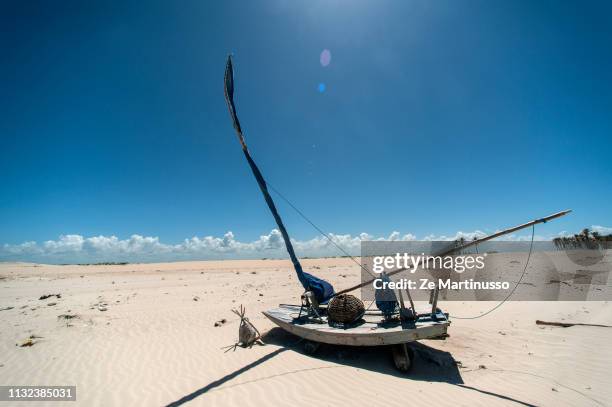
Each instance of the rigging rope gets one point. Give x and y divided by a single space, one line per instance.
368 271
319 229
515 287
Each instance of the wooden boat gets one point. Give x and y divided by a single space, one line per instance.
309 321
373 331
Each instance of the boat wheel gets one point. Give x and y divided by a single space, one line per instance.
402 357
310 347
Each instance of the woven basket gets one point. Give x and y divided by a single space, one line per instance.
345 308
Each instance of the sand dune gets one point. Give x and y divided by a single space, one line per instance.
144 334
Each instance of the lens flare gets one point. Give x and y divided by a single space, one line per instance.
321 87
325 57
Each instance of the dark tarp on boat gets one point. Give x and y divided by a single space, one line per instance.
321 289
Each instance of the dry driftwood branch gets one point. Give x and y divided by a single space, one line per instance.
569 324
248 335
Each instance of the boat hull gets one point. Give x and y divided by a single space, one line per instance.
373 332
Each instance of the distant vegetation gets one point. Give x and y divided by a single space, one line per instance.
105 263
586 239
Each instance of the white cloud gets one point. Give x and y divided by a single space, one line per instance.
78 249
23 248
602 230
66 243
465 235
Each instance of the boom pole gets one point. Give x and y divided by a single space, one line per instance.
446 252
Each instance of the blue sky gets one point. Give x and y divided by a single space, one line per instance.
436 117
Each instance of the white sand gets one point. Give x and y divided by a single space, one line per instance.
155 345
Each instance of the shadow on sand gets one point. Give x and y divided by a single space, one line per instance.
430 364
